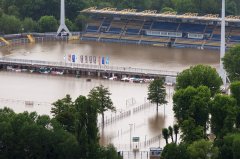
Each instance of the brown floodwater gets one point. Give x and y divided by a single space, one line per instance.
16 87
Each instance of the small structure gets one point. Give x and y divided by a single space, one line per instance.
63 30
155 153
135 141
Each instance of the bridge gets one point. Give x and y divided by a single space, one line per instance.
87 68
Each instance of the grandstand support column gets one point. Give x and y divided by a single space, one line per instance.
63 30
223 45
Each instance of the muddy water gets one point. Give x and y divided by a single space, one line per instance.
16 88
119 54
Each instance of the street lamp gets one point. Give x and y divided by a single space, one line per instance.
223 47
130 136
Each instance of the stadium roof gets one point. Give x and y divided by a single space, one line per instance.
153 13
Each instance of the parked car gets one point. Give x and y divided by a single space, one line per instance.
125 79
113 78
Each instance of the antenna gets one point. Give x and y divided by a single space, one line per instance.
63 30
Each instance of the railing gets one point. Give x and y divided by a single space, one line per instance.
89 67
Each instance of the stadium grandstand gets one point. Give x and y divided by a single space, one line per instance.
160 29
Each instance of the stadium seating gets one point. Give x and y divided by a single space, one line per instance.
131 30
164 26
192 28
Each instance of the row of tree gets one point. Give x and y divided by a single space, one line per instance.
18 13
198 106
11 24
72 133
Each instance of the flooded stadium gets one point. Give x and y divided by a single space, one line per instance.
17 88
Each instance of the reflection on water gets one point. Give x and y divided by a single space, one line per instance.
146 124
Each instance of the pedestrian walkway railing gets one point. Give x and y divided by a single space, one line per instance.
95 67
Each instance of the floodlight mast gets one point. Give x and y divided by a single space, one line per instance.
63 30
223 45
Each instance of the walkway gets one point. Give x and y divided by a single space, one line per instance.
87 67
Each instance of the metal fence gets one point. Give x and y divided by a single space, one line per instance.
114 118
142 107
134 155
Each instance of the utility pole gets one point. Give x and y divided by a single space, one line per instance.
223 45
63 30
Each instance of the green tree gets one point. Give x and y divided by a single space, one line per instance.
200 75
170 130
176 131
174 151
9 24
101 97
192 103
235 91
203 149
29 25
229 146
80 21
13 10
223 115
86 127
231 63
64 112
167 9
157 92
191 132
71 26
47 24
165 134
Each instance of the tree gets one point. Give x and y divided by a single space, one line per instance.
176 131
86 127
47 24
223 115
174 151
64 112
71 26
9 24
170 130
235 91
167 9
157 92
29 25
231 63
200 75
165 134
191 132
101 97
229 146
80 21
192 103
203 149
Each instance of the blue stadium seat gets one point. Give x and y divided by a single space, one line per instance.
115 30
132 31
235 38
195 28
92 28
165 26
147 25
216 37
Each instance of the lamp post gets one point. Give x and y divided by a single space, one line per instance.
130 136
223 45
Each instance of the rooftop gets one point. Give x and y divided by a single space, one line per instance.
153 13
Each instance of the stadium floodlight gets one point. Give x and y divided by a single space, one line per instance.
223 45
63 30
